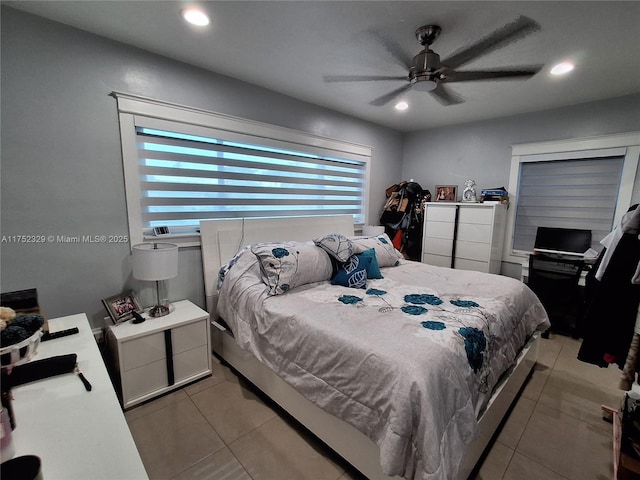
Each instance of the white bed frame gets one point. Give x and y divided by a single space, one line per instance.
221 239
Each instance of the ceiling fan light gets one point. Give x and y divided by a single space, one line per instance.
195 17
562 68
401 106
425 85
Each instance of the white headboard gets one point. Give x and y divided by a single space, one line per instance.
223 238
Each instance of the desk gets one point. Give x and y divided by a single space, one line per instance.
77 434
555 280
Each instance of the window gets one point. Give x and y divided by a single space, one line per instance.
582 183
184 165
579 193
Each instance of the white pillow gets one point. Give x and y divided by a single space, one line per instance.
386 254
336 245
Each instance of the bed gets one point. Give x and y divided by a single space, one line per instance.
409 377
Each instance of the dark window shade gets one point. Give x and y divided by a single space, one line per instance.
579 194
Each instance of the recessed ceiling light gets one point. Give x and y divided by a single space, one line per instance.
402 105
195 17
562 68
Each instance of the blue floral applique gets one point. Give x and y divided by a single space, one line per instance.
375 291
349 299
280 252
464 303
414 310
383 240
433 325
422 298
474 344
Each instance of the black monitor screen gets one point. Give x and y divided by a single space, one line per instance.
563 239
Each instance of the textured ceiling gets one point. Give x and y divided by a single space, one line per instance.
290 46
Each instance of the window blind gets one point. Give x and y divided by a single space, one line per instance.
576 193
186 178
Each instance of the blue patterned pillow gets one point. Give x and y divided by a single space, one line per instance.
353 273
373 270
336 245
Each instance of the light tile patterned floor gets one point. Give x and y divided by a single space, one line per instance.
219 429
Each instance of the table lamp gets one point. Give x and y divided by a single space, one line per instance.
155 262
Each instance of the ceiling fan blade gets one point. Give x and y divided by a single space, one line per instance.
386 98
498 74
361 78
392 47
445 96
505 35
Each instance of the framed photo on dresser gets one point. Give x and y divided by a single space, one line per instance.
446 193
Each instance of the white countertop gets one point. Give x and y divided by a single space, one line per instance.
77 434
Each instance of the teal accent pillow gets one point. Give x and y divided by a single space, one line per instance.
353 273
373 270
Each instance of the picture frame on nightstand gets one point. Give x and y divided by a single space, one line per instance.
122 306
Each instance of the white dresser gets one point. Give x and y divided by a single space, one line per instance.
467 236
77 434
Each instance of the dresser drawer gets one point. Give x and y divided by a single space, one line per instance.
439 230
465 264
440 213
437 246
437 260
479 215
473 232
472 251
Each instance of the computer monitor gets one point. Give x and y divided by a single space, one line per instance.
563 240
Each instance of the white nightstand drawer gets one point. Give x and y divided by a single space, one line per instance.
142 380
142 351
190 363
189 336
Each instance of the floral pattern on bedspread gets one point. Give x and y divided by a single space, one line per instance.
474 339
414 384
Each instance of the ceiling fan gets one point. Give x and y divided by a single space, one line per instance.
428 74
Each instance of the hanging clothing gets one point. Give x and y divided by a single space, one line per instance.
608 325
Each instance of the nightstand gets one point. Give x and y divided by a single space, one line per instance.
160 354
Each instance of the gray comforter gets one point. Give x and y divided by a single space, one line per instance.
410 361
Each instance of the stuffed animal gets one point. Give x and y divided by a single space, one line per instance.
16 328
6 316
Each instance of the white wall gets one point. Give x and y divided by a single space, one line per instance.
61 170
482 150
61 160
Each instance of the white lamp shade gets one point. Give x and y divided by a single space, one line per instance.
155 261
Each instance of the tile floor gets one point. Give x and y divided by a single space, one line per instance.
219 429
